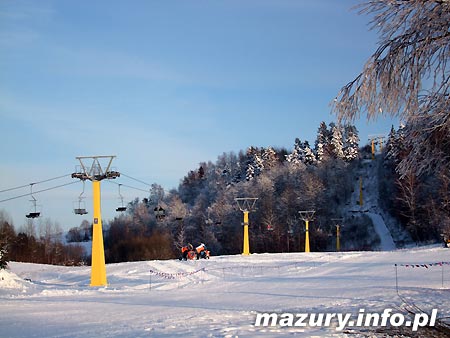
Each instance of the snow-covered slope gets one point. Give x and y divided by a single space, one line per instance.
385 226
218 297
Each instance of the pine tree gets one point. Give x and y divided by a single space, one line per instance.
391 146
319 153
322 141
336 141
255 163
351 143
298 153
309 156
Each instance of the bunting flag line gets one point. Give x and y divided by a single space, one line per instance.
167 275
424 265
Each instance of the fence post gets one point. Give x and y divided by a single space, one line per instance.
396 279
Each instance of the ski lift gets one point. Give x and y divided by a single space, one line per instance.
121 208
160 213
81 210
35 213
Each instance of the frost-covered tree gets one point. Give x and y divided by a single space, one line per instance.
270 158
297 156
228 168
319 150
408 77
336 141
351 141
322 142
255 163
395 145
309 156
3 258
391 147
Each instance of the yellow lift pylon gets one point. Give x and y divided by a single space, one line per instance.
338 224
96 173
246 204
307 215
374 140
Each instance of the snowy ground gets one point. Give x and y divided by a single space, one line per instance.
218 297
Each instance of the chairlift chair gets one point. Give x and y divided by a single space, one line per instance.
35 213
80 206
121 208
80 211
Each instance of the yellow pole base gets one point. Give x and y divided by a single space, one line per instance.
307 236
98 267
246 245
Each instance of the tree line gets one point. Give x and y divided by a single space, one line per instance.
45 246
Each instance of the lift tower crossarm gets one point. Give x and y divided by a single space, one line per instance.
95 172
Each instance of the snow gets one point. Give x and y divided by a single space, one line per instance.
218 297
386 241
385 226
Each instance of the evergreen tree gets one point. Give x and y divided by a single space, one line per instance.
336 141
319 150
298 153
391 146
309 156
255 163
321 141
396 149
351 143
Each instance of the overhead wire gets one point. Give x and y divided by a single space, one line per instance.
34 183
66 184
135 179
38 191
128 186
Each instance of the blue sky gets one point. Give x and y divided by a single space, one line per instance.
164 85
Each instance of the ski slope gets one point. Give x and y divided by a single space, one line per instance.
218 297
384 225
